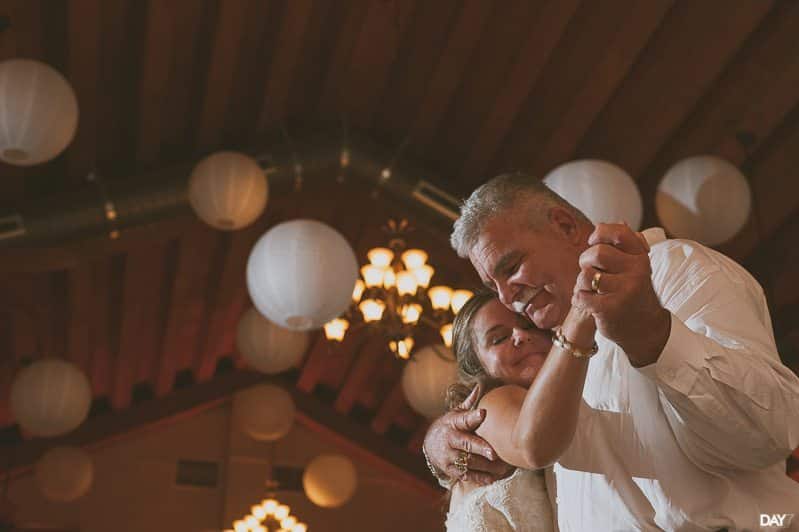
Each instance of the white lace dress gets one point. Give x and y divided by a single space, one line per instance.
518 502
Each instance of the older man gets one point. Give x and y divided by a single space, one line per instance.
688 414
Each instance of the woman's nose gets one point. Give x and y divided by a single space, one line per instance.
520 336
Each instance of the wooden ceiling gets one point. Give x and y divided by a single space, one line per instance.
470 88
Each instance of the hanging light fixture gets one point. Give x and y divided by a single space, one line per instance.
393 295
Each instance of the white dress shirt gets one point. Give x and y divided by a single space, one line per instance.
698 440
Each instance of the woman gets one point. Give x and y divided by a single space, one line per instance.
529 421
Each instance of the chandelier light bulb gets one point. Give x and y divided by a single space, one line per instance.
372 309
440 297
251 521
414 258
336 329
357 291
402 348
259 512
459 298
372 275
389 278
411 313
269 506
300 527
406 283
289 522
282 512
423 275
446 334
259 528
240 526
380 257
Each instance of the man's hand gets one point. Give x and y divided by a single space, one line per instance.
453 433
626 308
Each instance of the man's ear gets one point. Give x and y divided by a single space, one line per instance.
565 225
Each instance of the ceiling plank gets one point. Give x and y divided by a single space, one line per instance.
83 72
413 67
754 94
622 50
389 408
228 303
373 54
183 100
288 50
329 106
461 45
184 319
642 114
138 333
542 36
230 22
417 438
160 32
80 316
101 351
360 441
367 360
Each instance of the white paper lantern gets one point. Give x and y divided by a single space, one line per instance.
703 198
267 347
39 112
602 191
330 480
228 190
64 474
301 274
426 377
264 412
50 397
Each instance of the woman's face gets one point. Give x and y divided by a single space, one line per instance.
510 348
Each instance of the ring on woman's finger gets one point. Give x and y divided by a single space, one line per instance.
595 282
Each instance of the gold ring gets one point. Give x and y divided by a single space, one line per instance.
462 462
595 282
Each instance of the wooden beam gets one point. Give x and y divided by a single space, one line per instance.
388 409
80 316
227 36
187 307
372 55
161 29
138 334
101 352
83 72
367 360
358 440
464 36
604 77
543 35
287 52
639 119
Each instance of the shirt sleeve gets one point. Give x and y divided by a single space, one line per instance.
729 400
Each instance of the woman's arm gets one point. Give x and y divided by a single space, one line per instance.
532 428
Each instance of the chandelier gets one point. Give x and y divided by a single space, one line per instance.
269 515
393 295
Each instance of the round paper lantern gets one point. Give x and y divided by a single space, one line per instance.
264 412
50 397
703 198
267 347
330 480
228 190
602 191
64 474
301 274
40 112
426 377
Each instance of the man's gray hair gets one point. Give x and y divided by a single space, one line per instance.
497 196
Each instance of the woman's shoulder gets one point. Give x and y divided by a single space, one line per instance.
503 397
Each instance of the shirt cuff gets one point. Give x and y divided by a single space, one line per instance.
680 360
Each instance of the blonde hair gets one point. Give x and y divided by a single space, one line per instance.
470 370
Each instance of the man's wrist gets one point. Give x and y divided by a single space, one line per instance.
443 480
